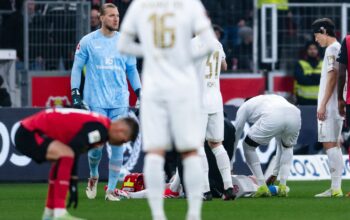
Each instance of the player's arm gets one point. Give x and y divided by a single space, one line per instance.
241 118
332 78
133 75
202 28
128 32
223 65
342 59
80 59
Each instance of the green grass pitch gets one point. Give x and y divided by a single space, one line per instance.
26 201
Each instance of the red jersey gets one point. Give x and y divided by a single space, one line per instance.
65 125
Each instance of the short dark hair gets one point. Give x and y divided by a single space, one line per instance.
134 127
1 80
105 6
324 26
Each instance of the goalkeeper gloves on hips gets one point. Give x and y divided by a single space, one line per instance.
77 101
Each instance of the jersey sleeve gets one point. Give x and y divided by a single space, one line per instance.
331 56
132 73
343 54
222 52
199 17
80 59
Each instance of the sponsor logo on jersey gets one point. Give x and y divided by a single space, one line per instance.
57 101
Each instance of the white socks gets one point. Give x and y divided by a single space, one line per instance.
285 163
193 180
59 212
253 163
335 159
205 166
223 163
154 180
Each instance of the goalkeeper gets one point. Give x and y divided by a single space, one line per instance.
105 90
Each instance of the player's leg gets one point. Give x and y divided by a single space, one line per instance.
215 136
187 133
156 139
329 131
259 134
94 158
207 195
116 158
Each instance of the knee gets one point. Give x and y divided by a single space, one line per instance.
67 152
95 153
214 144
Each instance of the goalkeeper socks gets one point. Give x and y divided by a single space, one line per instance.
205 166
224 166
94 156
193 181
61 185
285 163
51 193
253 163
335 159
154 180
115 165
175 185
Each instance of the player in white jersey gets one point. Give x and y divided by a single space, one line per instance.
209 69
271 116
170 105
329 120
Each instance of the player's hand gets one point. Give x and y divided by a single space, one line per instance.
321 113
341 107
271 180
77 101
73 193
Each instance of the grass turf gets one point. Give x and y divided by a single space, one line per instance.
26 201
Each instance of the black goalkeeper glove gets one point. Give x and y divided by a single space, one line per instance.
77 101
73 193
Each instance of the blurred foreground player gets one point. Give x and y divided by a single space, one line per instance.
60 136
171 94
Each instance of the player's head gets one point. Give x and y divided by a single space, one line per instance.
109 17
323 28
311 49
122 131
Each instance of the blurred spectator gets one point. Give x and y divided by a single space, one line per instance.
243 53
13 35
94 18
5 100
219 32
307 75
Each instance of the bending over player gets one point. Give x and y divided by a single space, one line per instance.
271 116
59 136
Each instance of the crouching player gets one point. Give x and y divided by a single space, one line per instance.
59 136
271 116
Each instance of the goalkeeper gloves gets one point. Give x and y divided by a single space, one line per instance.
73 193
77 101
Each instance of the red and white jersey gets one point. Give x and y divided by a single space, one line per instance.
63 124
209 69
329 64
165 29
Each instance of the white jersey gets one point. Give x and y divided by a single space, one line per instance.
329 64
165 29
209 69
262 105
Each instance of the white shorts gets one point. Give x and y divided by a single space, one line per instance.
213 126
169 122
329 130
282 125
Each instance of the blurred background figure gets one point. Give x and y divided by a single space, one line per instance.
94 18
307 75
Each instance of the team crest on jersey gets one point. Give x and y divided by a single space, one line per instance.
57 101
331 60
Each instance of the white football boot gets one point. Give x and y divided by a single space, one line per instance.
112 196
330 193
91 189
